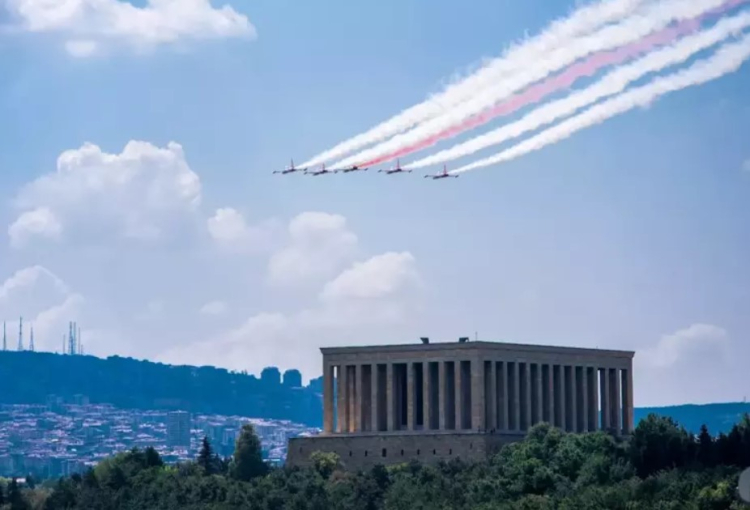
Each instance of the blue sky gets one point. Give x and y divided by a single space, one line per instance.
632 234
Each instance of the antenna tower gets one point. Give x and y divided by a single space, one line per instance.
5 339
71 339
31 340
20 334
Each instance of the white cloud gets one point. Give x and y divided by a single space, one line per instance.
229 230
39 222
696 340
87 23
140 193
381 305
45 302
319 244
375 278
81 48
28 277
214 308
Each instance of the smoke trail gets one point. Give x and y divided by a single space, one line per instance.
727 59
582 21
613 83
655 17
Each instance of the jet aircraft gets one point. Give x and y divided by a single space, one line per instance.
395 170
290 169
442 175
321 171
353 168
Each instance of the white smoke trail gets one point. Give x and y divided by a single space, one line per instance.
651 18
613 83
727 59
582 21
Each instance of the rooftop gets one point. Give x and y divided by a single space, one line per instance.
494 347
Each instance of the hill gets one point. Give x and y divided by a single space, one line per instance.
32 377
717 417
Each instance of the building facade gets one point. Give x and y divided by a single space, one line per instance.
391 404
178 429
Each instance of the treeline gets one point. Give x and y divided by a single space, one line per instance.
661 467
30 377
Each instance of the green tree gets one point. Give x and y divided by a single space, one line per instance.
706 454
2 492
15 497
247 462
659 443
207 459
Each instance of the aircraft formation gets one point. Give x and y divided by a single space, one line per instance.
388 171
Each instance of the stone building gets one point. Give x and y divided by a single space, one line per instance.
436 401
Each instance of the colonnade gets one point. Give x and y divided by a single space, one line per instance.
476 395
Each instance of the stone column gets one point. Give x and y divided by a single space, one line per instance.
391 401
504 407
442 385
527 394
616 402
605 398
327 398
583 412
562 389
572 410
491 397
343 412
374 398
476 376
551 393
517 395
539 388
627 400
426 397
411 404
357 399
593 398
459 395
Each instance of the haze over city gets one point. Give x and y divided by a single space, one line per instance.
136 176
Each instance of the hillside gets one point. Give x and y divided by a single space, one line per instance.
717 417
31 377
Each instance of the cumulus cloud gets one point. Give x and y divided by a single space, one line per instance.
140 193
45 302
229 229
366 302
29 277
698 339
36 223
87 24
318 245
378 277
214 308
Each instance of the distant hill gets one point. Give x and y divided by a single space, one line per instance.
32 377
717 417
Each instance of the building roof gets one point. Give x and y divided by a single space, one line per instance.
472 346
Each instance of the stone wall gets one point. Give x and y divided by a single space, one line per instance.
364 451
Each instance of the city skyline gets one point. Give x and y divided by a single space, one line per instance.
138 197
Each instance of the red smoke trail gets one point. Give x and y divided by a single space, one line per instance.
563 80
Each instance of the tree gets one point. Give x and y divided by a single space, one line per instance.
15 498
706 447
2 493
207 459
248 457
